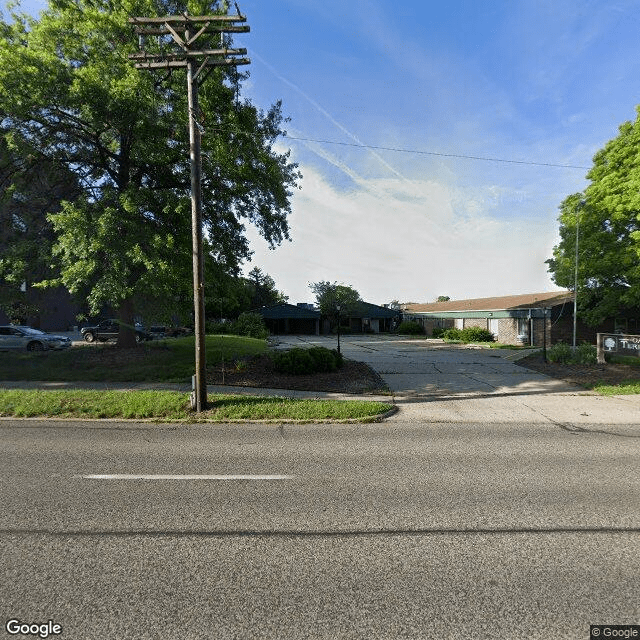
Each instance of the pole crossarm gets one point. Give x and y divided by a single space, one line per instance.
189 19
143 55
204 24
173 64
210 29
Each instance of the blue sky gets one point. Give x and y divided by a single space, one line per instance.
539 81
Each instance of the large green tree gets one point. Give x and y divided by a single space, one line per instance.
68 88
331 294
605 219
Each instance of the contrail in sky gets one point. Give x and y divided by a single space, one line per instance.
325 113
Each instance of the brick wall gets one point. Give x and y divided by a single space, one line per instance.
475 322
430 323
508 331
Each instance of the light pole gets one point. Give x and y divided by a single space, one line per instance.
544 333
575 280
338 310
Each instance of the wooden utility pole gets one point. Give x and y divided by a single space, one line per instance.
186 32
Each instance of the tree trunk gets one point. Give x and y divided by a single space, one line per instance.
127 331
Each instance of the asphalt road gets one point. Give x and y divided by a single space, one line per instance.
395 530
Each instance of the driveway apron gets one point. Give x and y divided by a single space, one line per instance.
429 368
437 382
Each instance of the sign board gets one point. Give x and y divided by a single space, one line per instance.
620 344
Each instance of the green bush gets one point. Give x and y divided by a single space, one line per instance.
586 354
325 359
303 361
564 354
470 334
251 325
410 327
438 332
560 352
476 334
344 330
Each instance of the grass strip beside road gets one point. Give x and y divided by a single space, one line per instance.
631 387
174 406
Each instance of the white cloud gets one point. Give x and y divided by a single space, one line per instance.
411 240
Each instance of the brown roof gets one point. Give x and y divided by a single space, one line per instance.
522 301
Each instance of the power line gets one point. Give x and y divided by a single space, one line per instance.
414 151
435 153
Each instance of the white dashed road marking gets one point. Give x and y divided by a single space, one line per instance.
142 476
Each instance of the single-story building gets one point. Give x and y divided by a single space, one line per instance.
370 318
306 319
519 319
288 318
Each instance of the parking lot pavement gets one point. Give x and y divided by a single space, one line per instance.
440 383
431 368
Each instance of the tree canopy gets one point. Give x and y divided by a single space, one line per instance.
70 94
331 294
607 217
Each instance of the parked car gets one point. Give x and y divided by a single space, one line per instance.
109 330
160 331
19 337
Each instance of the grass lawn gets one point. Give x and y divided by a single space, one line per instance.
624 388
157 361
174 406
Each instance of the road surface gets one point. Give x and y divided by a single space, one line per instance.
393 530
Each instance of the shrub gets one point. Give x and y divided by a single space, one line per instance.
410 327
438 332
585 354
326 359
251 325
560 352
344 330
476 334
470 334
303 361
563 353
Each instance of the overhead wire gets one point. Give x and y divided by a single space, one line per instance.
419 151
436 153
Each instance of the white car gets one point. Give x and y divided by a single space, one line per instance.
17 337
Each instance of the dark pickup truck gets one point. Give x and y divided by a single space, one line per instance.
108 330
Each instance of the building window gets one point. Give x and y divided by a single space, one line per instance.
523 329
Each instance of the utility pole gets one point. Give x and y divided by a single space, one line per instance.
579 207
194 55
